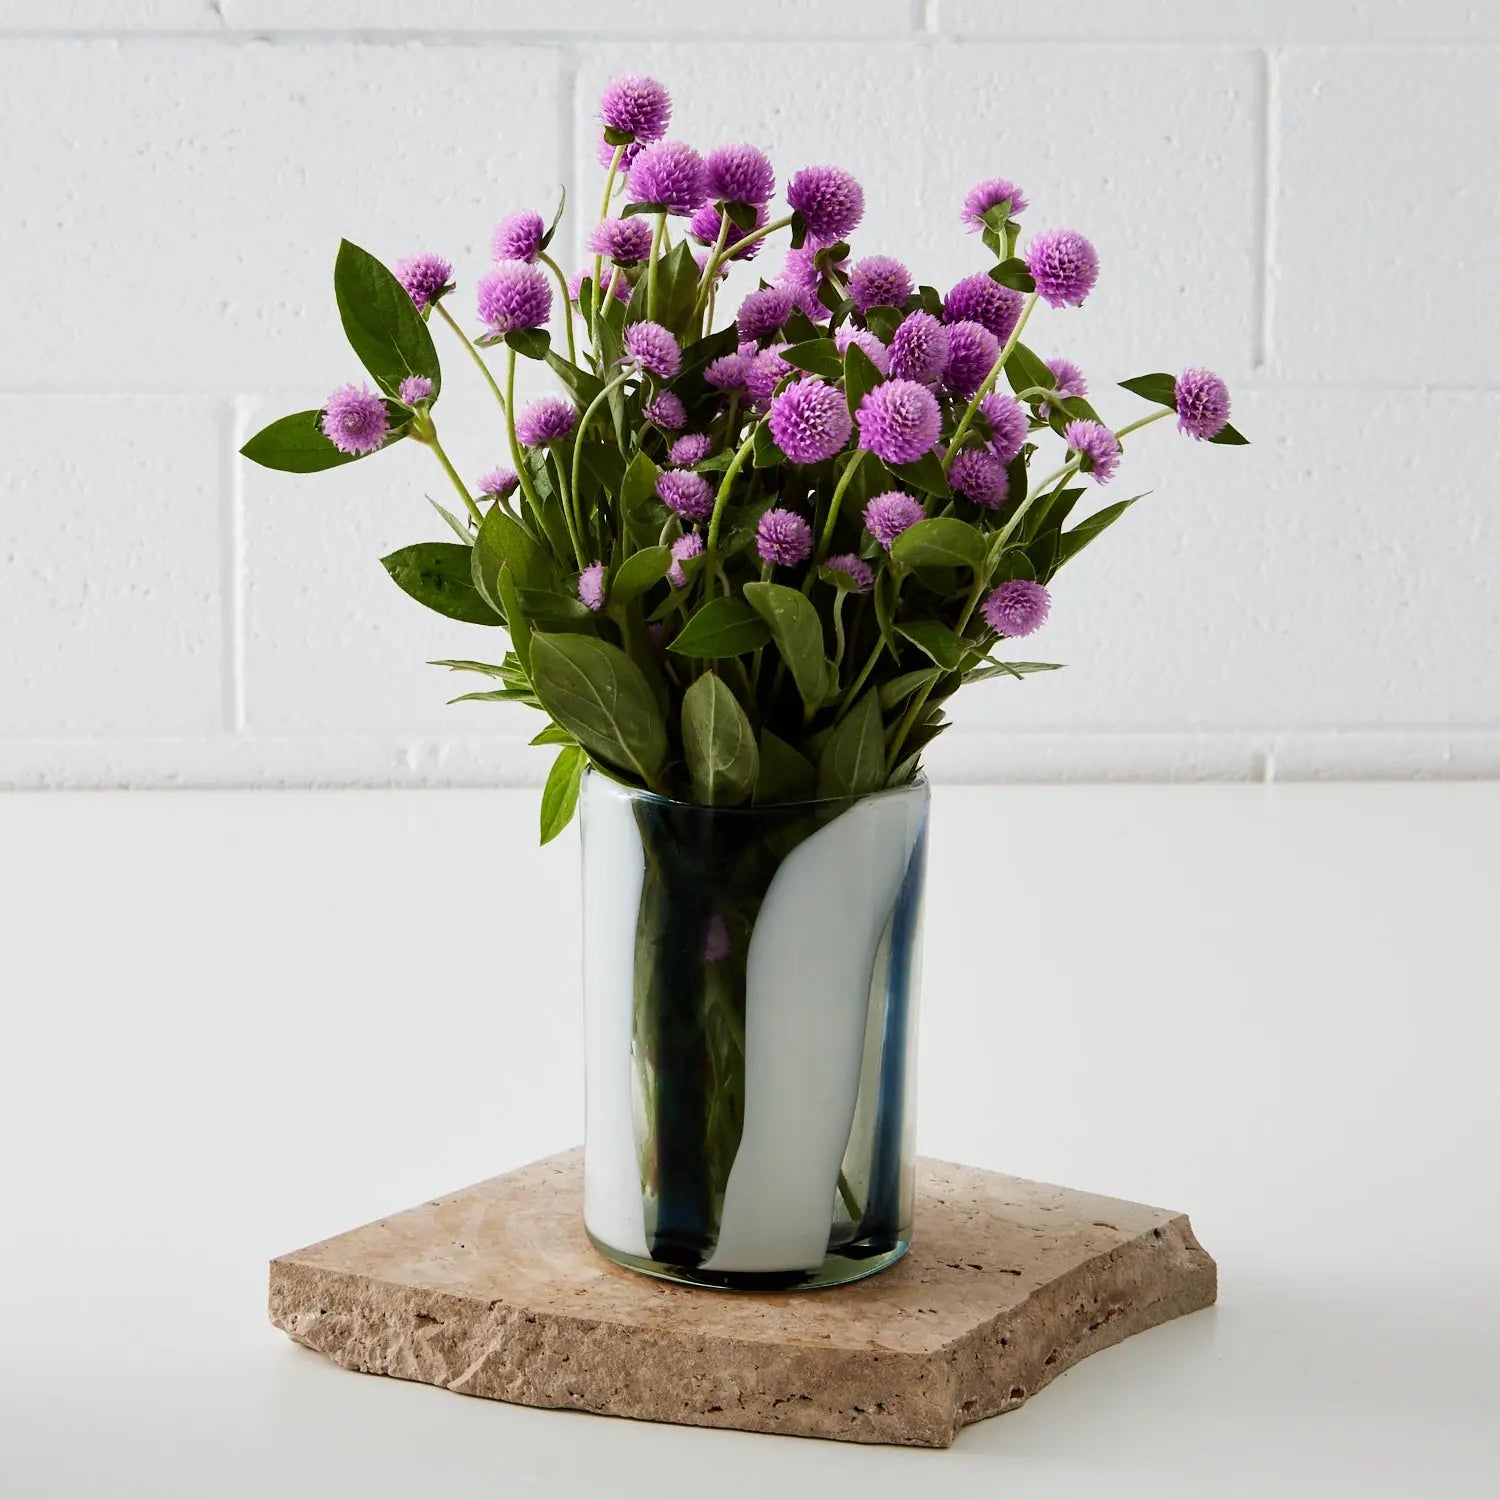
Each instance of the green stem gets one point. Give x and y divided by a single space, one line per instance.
656 238
705 295
609 190
1155 416
429 438
715 261
562 286
572 518
847 702
474 353
826 540
522 472
967 420
710 547
588 417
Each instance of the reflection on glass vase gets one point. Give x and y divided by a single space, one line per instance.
750 988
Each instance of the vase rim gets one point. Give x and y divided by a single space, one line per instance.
918 783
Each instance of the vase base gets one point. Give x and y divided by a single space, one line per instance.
848 1263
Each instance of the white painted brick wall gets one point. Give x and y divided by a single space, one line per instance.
1301 195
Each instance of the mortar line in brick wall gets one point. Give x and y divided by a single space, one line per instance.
1270 150
231 585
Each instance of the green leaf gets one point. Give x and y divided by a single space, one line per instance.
676 287
560 795
461 531
1161 389
717 743
926 474
639 483
639 572
944 541
562 202
1070 543
503 539
553 734
797 630
899 689
884 321
1228 434
934 639
764 453
1013 273
533 343
726 626
549 607
437 574
602 698
584 386
741 215
1018 669
617 137
516 621
817 357
853 758
786 775
381 323
296 445
860 377
1023 370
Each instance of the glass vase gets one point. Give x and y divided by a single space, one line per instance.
750 992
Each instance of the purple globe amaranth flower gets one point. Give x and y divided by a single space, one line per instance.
1071 381
767 370
549 420
518 237
669 173
762 313
425 277
637 105
783 538
983 196
899 421
666 411
830 201
879 281
686 493
514 295
591 586
864 340
977 299
706 223
498 483
972 352
628 154
413 389
888 515
810 421
692 448
1202 404
355 420
919 349
728 373
860 578
979 474
1064 266
1007 422
1017 608
802 277
1097 446
739 174
616 283
626 241
653 349
689 544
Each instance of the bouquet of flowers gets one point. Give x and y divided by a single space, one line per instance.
742 560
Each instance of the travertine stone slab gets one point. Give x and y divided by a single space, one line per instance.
495 1291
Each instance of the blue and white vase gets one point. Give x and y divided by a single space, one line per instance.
750 988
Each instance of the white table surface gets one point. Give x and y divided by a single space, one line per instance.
234 1023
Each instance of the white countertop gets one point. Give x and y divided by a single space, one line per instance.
235 1023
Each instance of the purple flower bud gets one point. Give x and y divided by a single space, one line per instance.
627 241
830 201
514 295
855 569
518 237
689 544
549 420
985 195
591 586
1016 608
666 412
802 278
615 283
1071 381
919 349
879 281
692 448
977 473
888 515
762 313
637 105
767 370
355 420
413 389
1064 266
1097 446
706 222
686 493
863 339
425 277
977 299
728 373
972 352
738 174
498 483
783 538
899 421
653 349
669 173
810 421
1007 423
1202 404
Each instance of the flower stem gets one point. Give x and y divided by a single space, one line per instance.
710 547
474 353
967 420
710 269
826 540
522 472
562 286
609 191
428 437
1135 426
715 261
588 417
573 521
656 238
